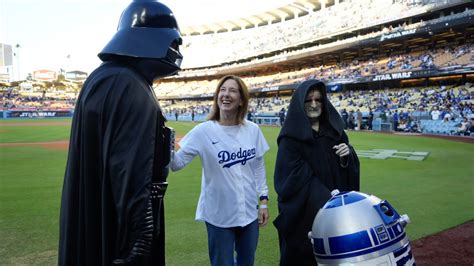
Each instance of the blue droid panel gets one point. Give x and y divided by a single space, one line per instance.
343 198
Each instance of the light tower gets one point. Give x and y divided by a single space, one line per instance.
17 54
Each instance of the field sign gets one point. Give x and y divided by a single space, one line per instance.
385 154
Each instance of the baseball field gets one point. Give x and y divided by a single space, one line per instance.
436 191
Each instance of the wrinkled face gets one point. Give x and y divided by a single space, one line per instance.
229 98
313 104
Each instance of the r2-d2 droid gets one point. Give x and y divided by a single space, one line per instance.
354 228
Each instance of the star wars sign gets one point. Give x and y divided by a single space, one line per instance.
401 75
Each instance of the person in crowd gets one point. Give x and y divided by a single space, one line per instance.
351 120
463 128
359 119
396 120
402 126
233 177
435 113
447 115
314 157
282 115
345 117
117 154
470 127
370 119
384 116
250 115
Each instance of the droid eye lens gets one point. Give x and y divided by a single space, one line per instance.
386 210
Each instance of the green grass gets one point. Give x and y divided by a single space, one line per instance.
30 187
34 130
436 193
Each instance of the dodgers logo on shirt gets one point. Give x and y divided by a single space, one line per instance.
231 158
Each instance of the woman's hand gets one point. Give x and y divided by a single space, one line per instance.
263 216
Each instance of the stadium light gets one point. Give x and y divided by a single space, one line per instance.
18 46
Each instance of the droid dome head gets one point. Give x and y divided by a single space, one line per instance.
147 29
360 229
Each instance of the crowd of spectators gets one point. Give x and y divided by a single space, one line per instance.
356 68
456 98
440 58
212 49
14 99
403 108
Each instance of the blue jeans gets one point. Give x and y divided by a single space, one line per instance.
221 242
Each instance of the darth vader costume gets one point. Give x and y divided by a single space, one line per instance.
112 198
306 170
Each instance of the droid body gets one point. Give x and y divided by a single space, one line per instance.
355 228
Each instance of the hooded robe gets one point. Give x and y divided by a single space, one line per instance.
114 153
307 169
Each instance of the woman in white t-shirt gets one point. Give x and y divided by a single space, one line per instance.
435 113
234 191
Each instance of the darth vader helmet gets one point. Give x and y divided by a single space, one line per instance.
147 29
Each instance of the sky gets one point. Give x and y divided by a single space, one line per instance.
68 34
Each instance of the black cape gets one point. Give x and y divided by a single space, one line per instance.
106 191
306 171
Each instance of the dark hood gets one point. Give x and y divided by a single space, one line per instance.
297 124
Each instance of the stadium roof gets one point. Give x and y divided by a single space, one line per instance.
293 10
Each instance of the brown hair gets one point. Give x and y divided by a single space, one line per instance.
244 97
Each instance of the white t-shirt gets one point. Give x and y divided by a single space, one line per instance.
230 184
435 114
